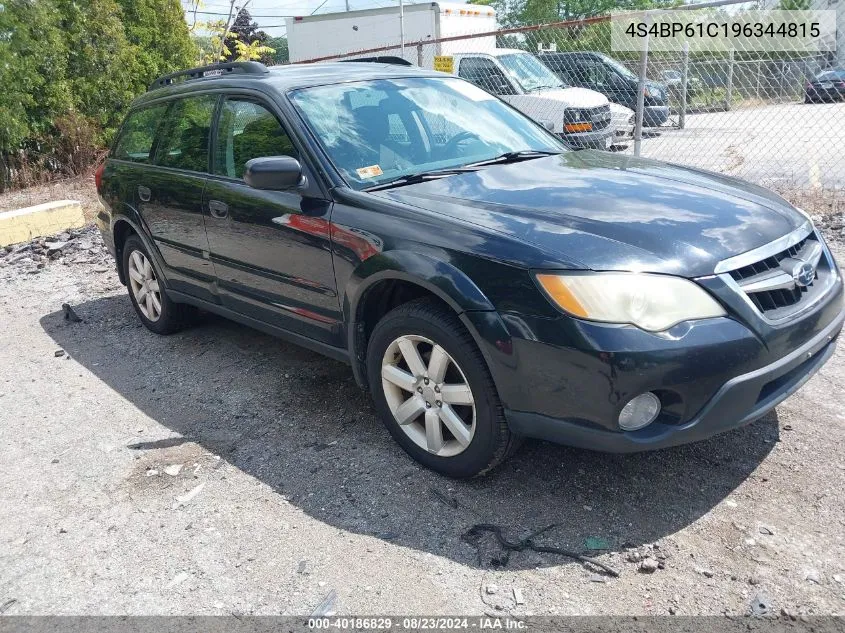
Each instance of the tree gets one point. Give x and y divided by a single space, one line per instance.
99 61
246 42
512 13
33 51
159 35
70 68
794 5
280 46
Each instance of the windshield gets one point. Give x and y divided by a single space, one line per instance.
832 75
620 68
529 72
378 131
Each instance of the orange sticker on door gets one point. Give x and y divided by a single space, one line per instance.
369 172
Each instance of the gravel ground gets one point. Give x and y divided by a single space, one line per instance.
221 471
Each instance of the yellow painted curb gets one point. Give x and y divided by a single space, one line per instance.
41 220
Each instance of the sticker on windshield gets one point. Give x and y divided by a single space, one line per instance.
369 172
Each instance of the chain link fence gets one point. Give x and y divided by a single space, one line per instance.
776 118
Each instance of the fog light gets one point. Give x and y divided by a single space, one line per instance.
639 412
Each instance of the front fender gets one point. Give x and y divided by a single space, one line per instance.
443 280
438 277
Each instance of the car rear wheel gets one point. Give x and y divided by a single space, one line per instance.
434 393
156 311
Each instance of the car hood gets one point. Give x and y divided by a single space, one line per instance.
597 210
572 97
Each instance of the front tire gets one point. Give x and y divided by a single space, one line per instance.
434 393
156 311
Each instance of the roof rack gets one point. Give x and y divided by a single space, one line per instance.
382 59
212 70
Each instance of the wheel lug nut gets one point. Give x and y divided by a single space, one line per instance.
427 405
425 380
436 388
437 402
419 389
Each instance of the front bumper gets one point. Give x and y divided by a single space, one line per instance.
655 116
597 139
740 400
566 380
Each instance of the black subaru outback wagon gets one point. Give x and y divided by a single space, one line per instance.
482 281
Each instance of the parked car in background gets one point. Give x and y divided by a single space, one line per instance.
482 281
826 86
672 79
623 121
579 116
606 75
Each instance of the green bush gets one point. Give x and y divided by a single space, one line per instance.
69 69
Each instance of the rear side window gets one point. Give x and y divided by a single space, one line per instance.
247 130
185 134
138 133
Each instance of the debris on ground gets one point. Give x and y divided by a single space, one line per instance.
173 470
69 314
596 544
491 589
472 536
517 596
7 605
180 501
761 605
77 246
327 606
649 565
446 499
59 353
178 579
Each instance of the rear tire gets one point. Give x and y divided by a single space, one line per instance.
452 419
146 292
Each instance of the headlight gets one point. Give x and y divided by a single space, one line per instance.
651 302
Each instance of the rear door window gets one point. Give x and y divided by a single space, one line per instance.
247 130
184 136
138 134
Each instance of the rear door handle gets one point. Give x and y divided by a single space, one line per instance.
144 193
218 209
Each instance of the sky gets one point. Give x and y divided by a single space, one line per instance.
270 14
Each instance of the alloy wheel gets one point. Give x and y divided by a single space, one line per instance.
144 285
428 395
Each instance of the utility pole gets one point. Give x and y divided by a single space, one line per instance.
402 28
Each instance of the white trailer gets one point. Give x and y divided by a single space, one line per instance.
316 37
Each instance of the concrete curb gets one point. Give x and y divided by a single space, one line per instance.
41 220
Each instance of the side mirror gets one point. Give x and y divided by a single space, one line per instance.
274 173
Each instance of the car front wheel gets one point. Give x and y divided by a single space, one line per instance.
432 389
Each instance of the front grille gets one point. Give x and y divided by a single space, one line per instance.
599 117
770 283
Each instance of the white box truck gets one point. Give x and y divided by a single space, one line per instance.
581 117
315 37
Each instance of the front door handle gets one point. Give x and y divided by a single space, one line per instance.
144 193
218 209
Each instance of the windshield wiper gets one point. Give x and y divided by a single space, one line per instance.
536 88
514 157
422 176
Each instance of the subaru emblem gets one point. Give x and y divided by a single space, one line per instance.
803 273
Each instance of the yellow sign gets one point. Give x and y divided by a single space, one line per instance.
444 63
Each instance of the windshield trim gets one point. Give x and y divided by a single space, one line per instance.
321 154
